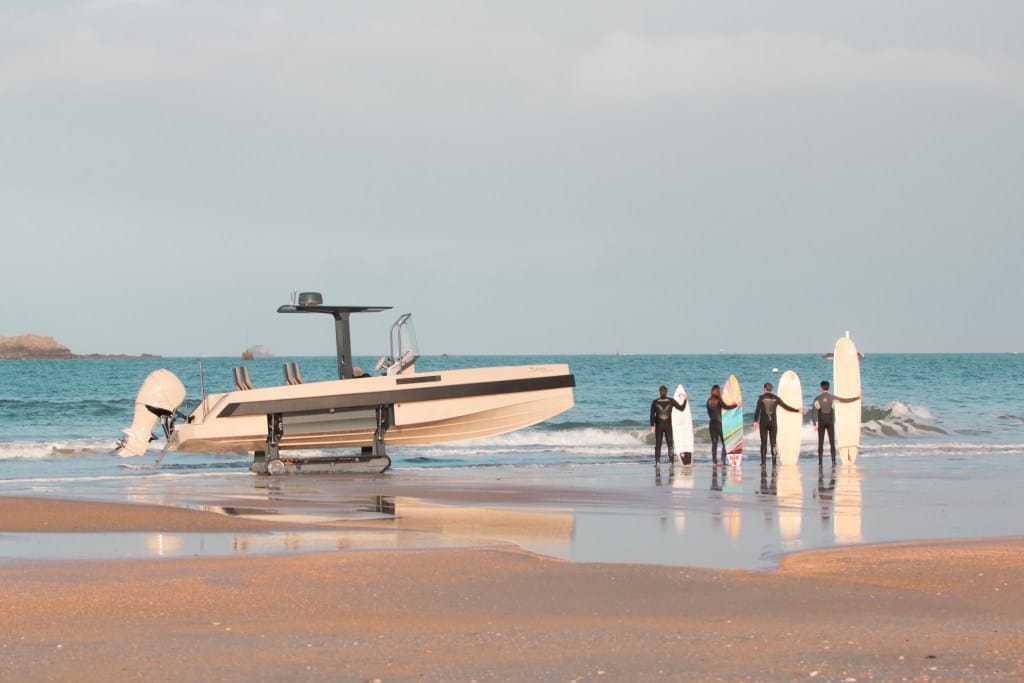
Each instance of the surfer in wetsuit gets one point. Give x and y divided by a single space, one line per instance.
715 406
764 419
824 418
661 422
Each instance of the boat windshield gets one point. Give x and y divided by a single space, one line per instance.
404 348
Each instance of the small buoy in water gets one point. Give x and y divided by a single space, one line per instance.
775 369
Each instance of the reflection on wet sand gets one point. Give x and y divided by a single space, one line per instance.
683 479
349 508
163 545
848 505
734 486
142 545
825 493
789 489
768 484
480 524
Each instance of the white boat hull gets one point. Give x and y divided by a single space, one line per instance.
426 408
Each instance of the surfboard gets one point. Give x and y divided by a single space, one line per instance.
846 383
790 425
732 421
682 428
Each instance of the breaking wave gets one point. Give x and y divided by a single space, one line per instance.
899 419
58 448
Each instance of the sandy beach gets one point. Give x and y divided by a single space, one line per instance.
930 611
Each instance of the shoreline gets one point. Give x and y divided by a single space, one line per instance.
923 610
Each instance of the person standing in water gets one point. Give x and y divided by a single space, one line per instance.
661 422
824 418
764 419
715 406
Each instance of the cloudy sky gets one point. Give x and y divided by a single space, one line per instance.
527 177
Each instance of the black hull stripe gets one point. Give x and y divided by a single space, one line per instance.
325 404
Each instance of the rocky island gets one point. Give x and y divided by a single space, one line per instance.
36 347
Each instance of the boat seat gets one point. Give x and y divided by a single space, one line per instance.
292 375
242 380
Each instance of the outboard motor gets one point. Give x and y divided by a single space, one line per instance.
159 396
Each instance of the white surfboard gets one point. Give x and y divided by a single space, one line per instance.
790 425
682 428
845 384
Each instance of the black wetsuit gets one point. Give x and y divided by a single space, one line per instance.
661 420
764 416
715 426
825 419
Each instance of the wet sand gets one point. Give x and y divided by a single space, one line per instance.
941 611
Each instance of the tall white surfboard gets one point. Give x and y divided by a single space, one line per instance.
790 425
682 427
846 384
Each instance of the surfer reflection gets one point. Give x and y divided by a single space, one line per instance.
716 483
715 406
848 506
824 492
768 486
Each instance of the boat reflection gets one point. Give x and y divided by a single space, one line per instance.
551 529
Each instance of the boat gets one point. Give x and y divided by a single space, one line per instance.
257 351
392 405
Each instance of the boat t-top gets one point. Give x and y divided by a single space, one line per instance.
393 404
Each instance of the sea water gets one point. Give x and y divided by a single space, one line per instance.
61 419
942 441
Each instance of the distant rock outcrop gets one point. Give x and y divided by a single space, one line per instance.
37 347
32 346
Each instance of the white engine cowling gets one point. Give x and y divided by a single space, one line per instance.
160 394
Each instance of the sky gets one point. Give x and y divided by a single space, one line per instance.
525 178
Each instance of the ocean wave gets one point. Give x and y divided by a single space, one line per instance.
899 419
38 450
582 436
46 408
964 448
560 426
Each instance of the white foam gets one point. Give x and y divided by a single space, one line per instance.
38 450
907 410
579 438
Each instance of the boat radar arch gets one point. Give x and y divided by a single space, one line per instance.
312 302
